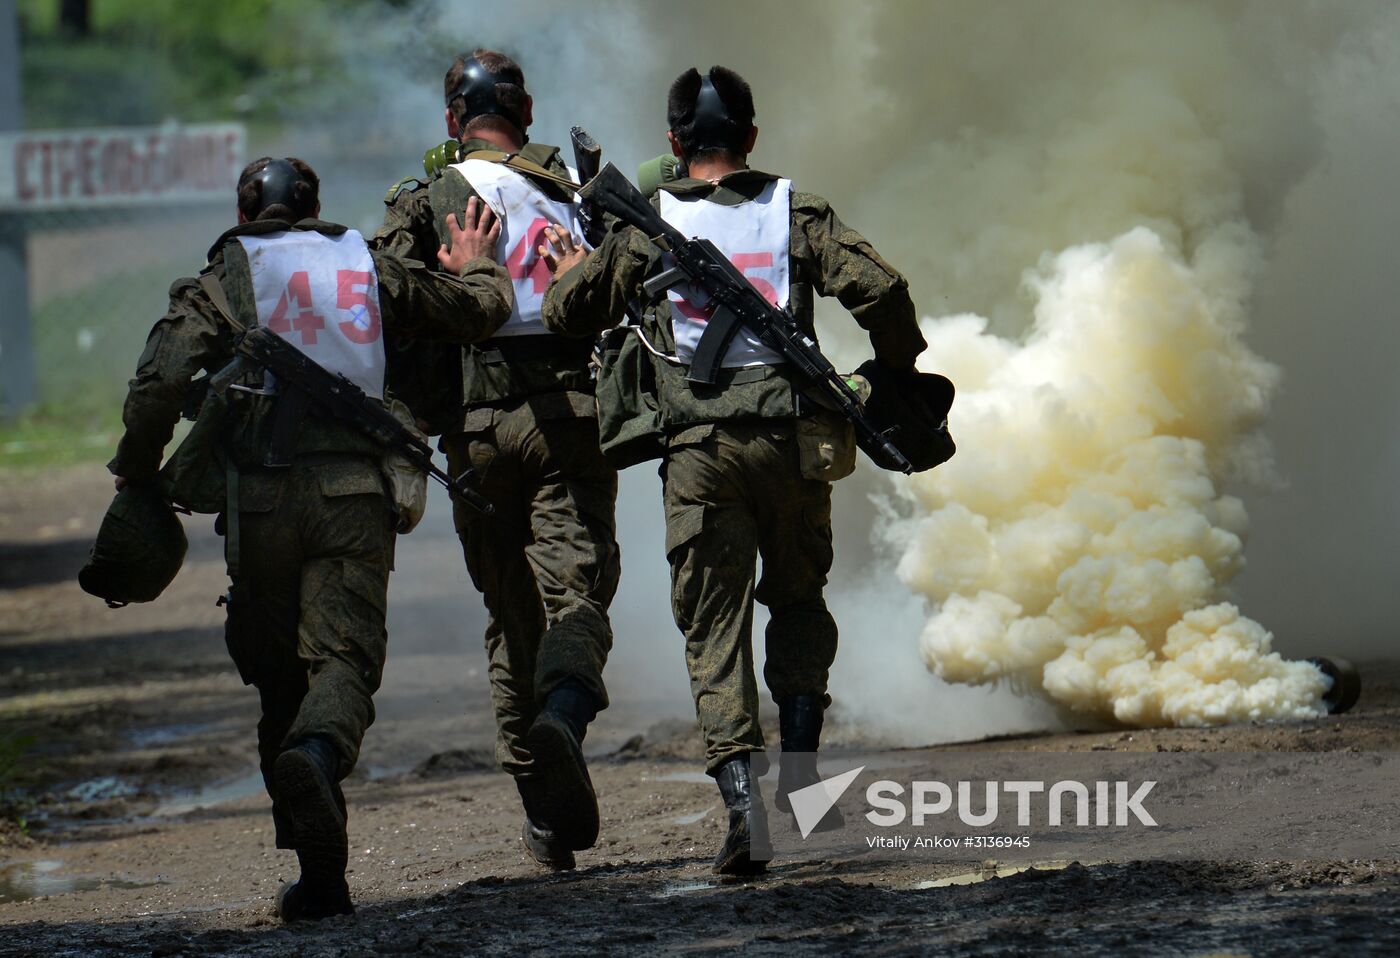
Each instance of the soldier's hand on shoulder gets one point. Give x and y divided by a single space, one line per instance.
475 237
560 251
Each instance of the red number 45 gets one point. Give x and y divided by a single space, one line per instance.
351 293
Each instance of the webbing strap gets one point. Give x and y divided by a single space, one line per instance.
521 165
231 519
215 291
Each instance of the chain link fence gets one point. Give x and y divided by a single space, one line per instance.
98 279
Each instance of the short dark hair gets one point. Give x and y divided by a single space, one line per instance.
306 194
510 93
680 110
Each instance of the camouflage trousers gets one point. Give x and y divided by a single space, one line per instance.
306 608
734 492
547 564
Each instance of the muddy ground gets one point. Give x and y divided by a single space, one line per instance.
148 834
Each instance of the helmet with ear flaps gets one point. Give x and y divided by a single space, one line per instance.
714 128
140 546
478 93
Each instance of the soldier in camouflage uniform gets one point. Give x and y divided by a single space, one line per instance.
519 409
309 546
748 465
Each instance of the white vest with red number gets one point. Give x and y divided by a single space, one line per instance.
524 212
754 235
321 294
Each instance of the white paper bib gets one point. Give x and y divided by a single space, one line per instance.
525 213
321 294
755 236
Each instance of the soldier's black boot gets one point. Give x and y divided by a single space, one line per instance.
746 849
540 841
566 803
306 776
800 731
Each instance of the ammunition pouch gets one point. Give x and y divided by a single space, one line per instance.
630 427
826 446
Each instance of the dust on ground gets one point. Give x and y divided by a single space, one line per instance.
148 832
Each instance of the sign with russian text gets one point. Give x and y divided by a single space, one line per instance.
131 166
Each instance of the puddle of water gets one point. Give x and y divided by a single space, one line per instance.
692 818
100 789
674 889
165 734
22 881
232 791
699 777
984 874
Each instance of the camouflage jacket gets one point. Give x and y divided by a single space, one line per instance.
193 336
827 257
450 380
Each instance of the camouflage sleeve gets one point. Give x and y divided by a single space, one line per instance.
407 230
432 304
594 295
840 262
189 338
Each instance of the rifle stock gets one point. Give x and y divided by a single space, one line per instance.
587 155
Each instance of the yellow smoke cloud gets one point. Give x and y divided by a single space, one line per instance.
1080 543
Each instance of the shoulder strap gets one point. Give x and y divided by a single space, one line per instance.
521 165
215 291
402 185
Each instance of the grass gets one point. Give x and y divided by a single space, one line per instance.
86 346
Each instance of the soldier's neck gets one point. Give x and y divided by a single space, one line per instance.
715 168
501 141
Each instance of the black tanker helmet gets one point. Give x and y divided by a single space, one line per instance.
714 128
478 92
278 182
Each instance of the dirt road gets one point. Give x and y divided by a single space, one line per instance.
149 832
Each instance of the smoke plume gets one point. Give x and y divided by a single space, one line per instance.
1083 544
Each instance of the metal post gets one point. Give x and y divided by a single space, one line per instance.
17 386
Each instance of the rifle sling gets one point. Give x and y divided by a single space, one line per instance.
215 291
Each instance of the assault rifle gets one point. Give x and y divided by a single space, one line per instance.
302 381
587 155
737 303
